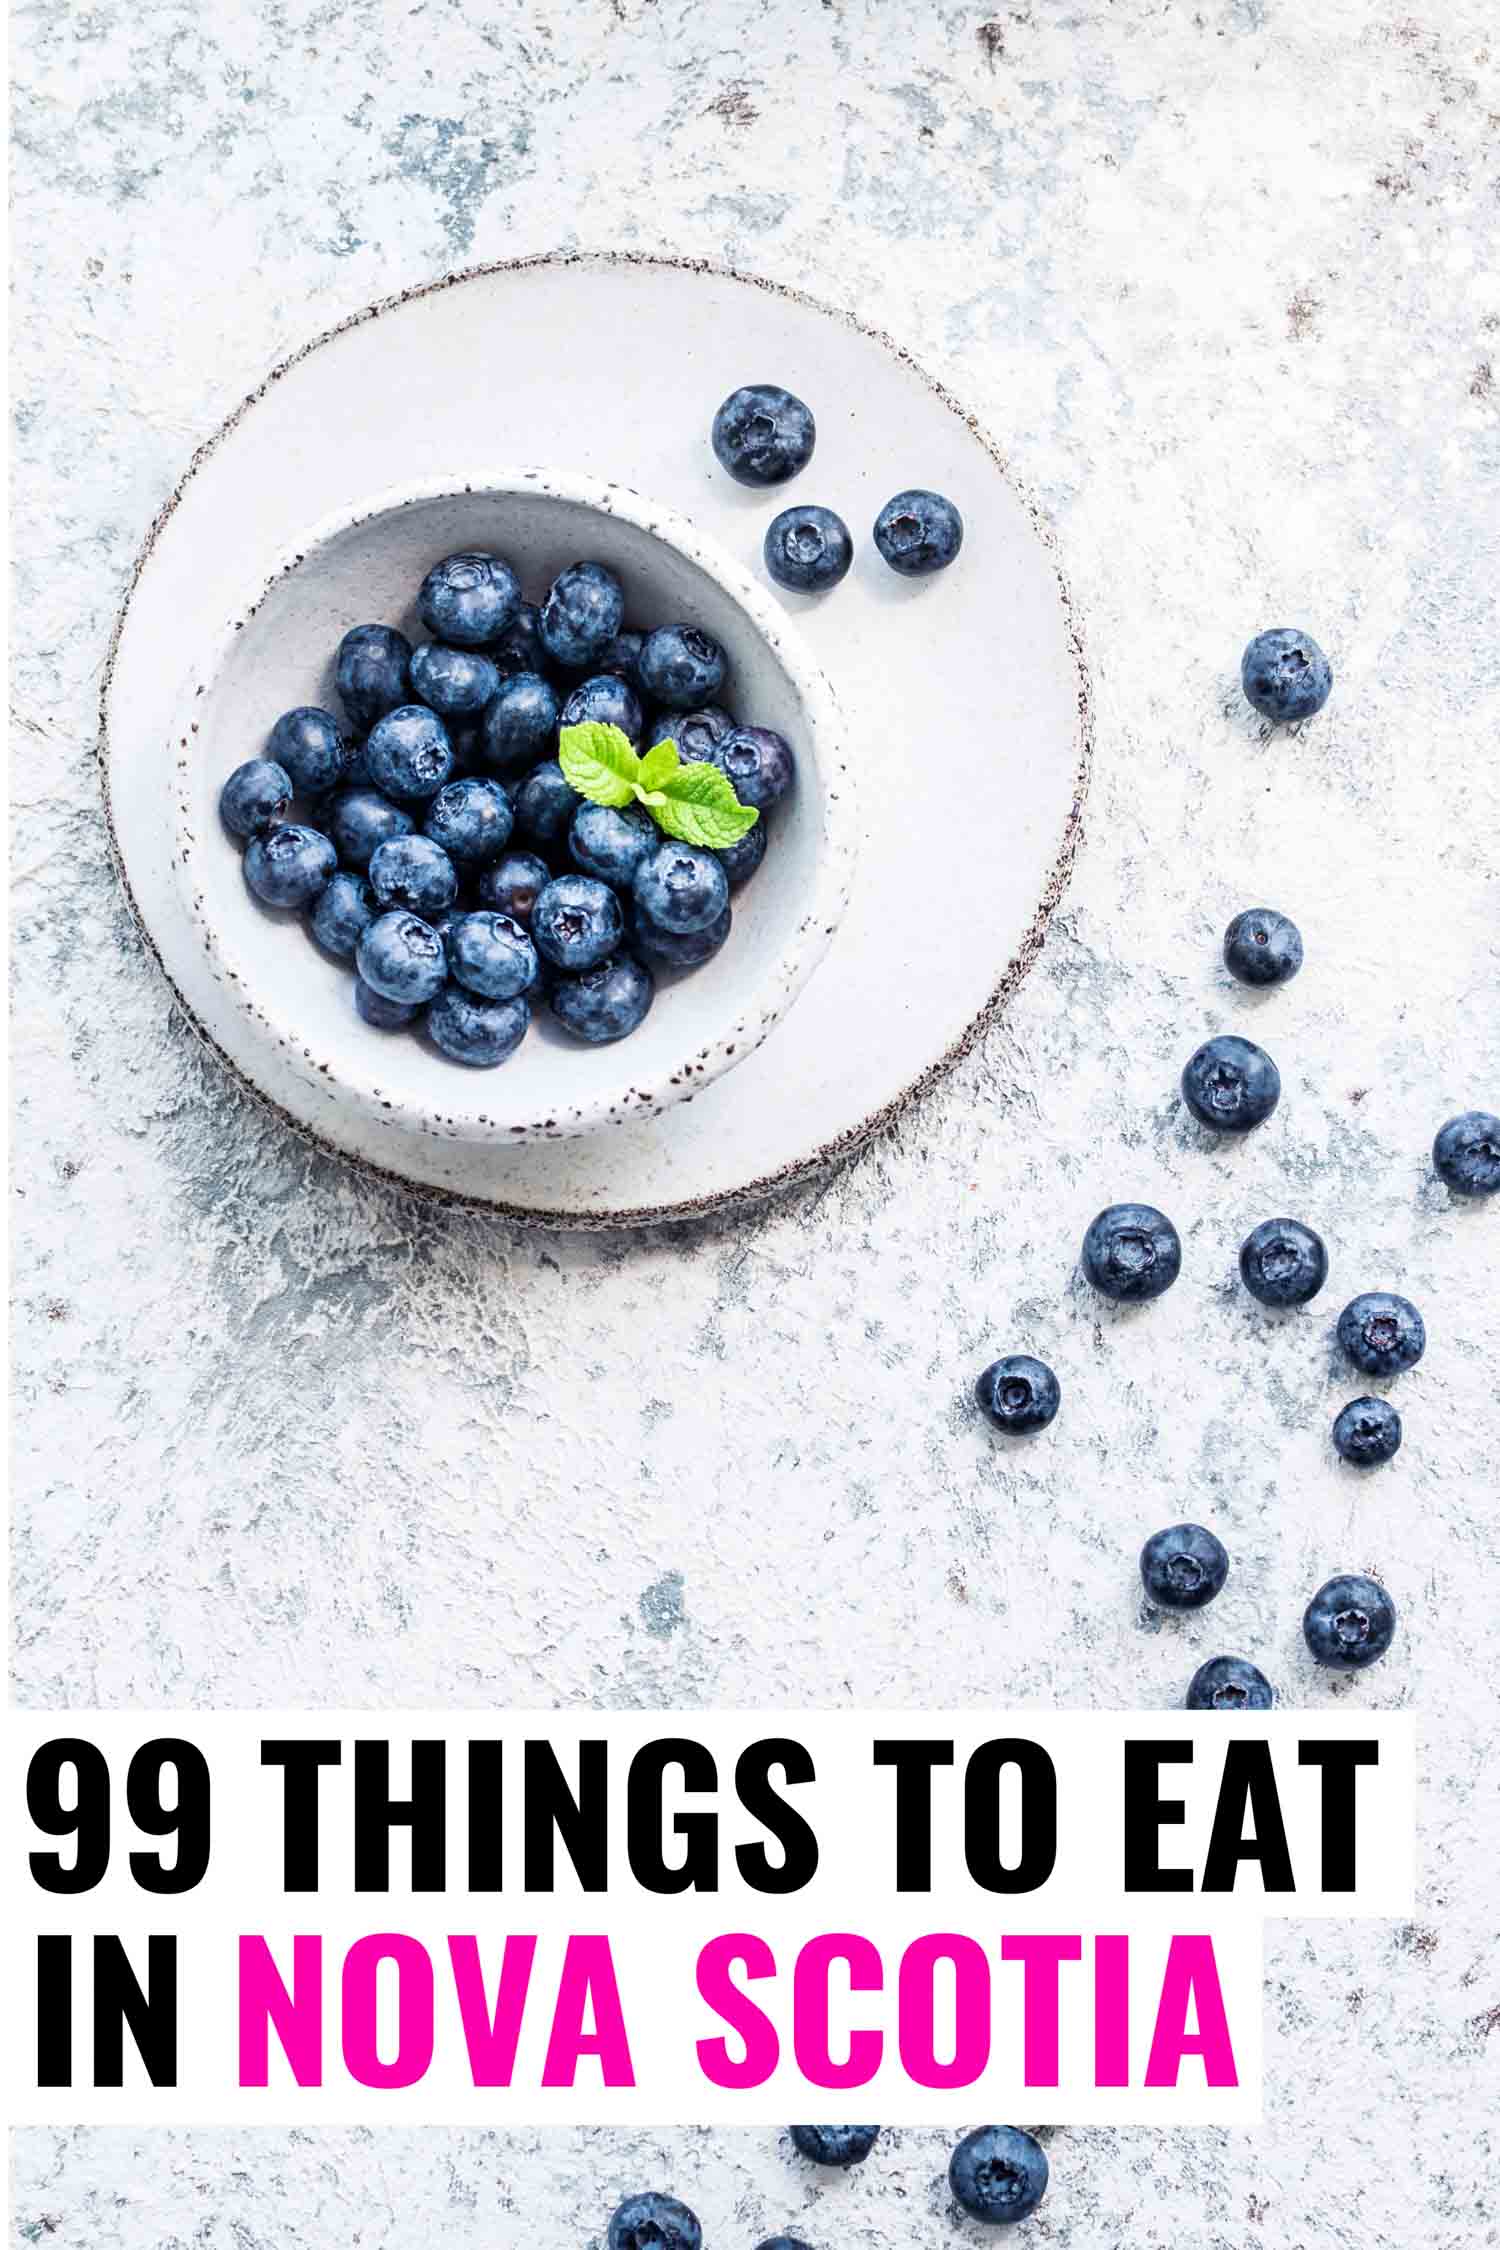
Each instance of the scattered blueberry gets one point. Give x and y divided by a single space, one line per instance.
255 797
372 672
409 754
469 599
1229 1683
520 721
576 922
402 958
783 2242
345 909
611 841
481 1033
519 648
1466 1153
513 885
998 2174
1282 1262
583 612
808 549
609 701
451 681
383 1014
763 435
603 1003
919 532
681 888
1381 1333
1262 947
1018 1393
1285 675
490 955
309 745
739 861
694 732
761 764
654 2222
1349 1622
1366 1432
1132 1252
544 806
1230 1084
1184 1566
681 667
471 820
415 873
289 865
679 949
834 2144
622 656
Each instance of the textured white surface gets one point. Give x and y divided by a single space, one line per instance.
1217 277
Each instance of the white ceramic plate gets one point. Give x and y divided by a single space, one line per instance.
964 697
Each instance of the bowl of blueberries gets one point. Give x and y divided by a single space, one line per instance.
512 808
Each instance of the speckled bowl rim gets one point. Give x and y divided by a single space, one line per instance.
763 1186
499 1111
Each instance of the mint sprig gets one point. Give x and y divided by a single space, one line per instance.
696 804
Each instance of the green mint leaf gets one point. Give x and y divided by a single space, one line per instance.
598 762
656 766
701 808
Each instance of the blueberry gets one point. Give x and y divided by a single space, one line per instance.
919 532
289 865
694 732
544 806
1229 1683
372 672
672 949
761 764
808 549
1184 1566
739 861
834 2144
1282 1262
360 821
607 700
654 2222
763 435
415 873
469 599
513 885
604 1003
1349 1623
998 2174
520 721
383 1014
1382 1334
255 797
1262 947
1018 1393
481 1033
583 612
682 667
1466 1153
622 656
309 745
610 842
471 820
1131 1252
1285 675
402 958
1366 1432
490 954
519 648
451 681
409 754
345 909
783 2242
1230 1084
576 922
681 888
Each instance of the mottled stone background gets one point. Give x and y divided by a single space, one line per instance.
1216 274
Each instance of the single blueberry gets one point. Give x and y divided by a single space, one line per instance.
673 949
1262 947
402 958
309 745
834 2144
739 861
469 599
255 797
808 549
1184 1566
1349 1622
604 1003
998 2174
519 648
583 612
409 754
654 2222
544 806
622 656
383 1014
681 888
490 954
576 922
415 873
694 732
611 841
513 885
759 762
451 681
360 821
289 865
520 721
1229 1683
1381 1333
919 532
681 667
480 1033
345 909
1282 1262
1230 1084
608 701
763 435
1131 1252
1285 675
372 672
1466 1153
1366 1432
783 2242
472 821
1018 1393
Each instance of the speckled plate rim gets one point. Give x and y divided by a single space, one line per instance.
624 1095
843 1145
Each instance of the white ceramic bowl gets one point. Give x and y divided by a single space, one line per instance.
367 567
